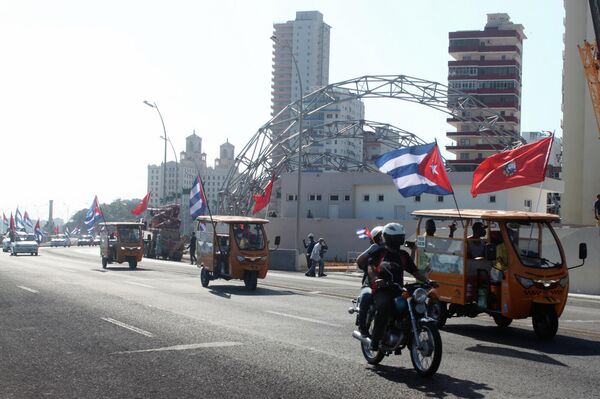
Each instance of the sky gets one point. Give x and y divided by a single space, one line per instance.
74 75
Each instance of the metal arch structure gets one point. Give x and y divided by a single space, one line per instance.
273 149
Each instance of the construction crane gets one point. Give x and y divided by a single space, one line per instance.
591 61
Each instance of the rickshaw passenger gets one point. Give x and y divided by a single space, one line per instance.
475 244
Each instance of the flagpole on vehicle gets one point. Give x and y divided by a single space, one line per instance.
212 222
462 222
547 160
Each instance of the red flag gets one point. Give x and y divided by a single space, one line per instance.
12 223
142 206
520 167
261 201
432 168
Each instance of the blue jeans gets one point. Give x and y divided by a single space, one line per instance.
314 264
366 299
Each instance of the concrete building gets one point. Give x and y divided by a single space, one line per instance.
581 145
487 65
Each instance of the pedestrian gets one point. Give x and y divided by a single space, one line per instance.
317 258
192 248
597 210
309 247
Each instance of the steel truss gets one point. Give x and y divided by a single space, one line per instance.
274 147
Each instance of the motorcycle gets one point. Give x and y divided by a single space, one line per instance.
410 327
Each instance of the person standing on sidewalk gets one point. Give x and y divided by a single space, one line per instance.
597 210
317 258
309 247
192 248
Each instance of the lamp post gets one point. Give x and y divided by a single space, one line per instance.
177 188
164 196
300 117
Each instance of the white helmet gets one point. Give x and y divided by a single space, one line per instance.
375 231
393 235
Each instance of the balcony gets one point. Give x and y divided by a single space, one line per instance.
484 63
513 76
502 119
484 34
509 133
472 147
484 49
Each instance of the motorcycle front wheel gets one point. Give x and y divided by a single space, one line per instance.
426 356
372 357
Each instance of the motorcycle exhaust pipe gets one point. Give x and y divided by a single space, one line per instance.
359 336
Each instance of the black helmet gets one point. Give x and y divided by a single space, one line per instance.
393 235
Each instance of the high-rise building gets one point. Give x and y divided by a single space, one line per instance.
487 65
581 145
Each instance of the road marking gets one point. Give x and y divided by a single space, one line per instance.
127 326
27 289
580 321
140 284
183 347
304 318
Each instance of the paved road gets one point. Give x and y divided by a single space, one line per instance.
70 329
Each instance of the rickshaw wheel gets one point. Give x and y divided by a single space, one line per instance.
204 277
502 321
545 322
132 263
250 279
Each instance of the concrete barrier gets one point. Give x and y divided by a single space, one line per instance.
283 259
585 279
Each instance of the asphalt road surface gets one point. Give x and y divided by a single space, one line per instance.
69 329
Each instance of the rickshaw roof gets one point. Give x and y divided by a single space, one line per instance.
231 219
485 214
132 224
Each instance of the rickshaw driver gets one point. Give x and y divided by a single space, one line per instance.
497 272
388 265
475 244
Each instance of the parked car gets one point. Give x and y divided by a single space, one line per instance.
6 244
85 240
24 243
96 240
60 240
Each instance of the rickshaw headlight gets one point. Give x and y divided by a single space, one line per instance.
122 248
564 281
525 282
420 295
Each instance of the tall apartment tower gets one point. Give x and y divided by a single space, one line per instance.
581 143
308 38
487 65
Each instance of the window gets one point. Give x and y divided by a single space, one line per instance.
346 198
492 199
527 203
311 197
380 198
417 198
318 197
366 197
334 197
440 198
464 155
291 197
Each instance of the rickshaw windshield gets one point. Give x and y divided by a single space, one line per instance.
129 234
249 236
535 243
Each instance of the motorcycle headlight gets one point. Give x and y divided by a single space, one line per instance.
525 282
564 281
420 295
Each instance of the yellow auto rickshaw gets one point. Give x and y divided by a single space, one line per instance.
508 264
121 242
232 247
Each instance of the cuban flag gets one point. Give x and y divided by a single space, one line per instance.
363 233
93 214
27 220
198 203
39 234
75 231
19 220
416 170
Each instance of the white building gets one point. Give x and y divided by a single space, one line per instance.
581 146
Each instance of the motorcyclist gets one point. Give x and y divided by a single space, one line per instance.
387 266
363 261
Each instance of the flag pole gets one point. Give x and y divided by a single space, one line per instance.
462 222
545 168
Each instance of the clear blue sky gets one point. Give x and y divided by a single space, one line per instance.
74 74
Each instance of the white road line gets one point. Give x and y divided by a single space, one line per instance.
304 319
127 326
183 347
580 321
140 284
27 289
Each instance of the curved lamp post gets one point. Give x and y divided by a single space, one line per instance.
164 191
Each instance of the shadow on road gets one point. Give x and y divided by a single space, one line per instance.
515 354
226 291
439 386
526 339
122 269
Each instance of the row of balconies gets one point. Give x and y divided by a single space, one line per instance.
513 76
503 119
484 49
484 34
475 134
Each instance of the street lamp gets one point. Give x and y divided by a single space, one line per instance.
177 188
164 196
300 116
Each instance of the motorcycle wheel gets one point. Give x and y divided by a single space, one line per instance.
427 358
438 310
372 357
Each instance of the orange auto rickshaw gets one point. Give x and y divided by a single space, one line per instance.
508 264
121 242
232 247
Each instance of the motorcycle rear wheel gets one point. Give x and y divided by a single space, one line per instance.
372 357
426 360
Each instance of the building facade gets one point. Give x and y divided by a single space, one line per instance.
581 144
487 65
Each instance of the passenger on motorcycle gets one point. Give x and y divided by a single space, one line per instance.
363 261
386 267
